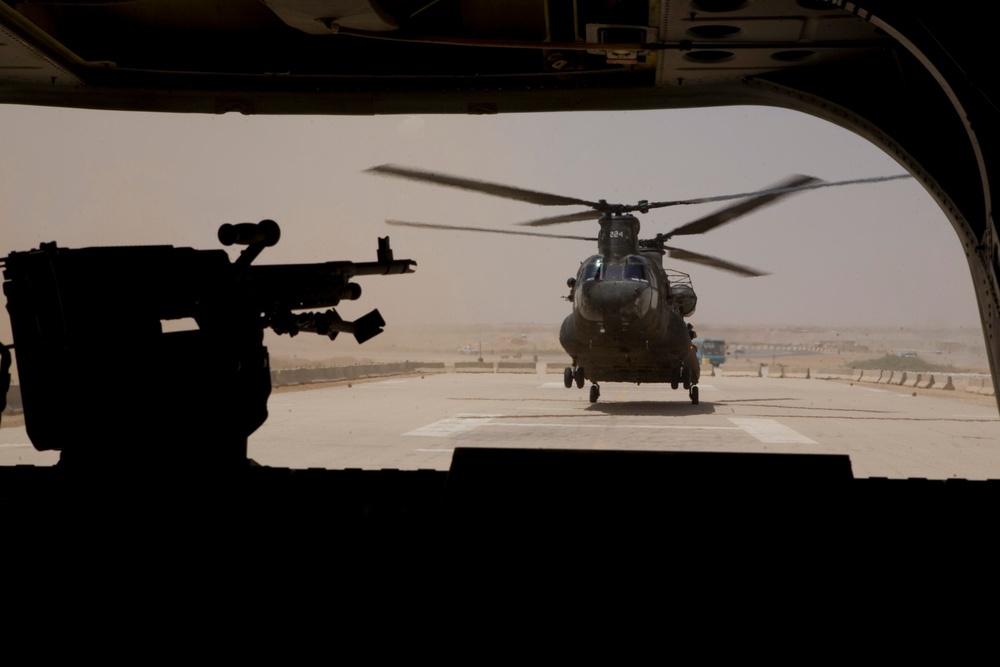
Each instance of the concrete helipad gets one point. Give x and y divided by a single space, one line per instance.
417 422
414 423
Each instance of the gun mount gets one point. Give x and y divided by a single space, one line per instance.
88 326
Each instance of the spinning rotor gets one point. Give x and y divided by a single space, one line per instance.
751 201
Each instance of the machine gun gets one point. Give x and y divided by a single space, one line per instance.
89 338
278 290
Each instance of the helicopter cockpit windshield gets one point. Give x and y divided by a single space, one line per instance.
593 268
635 269
596 269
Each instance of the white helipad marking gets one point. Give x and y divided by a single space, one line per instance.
452 425
769 430
878 391
14 445
381 384
450 449
618 426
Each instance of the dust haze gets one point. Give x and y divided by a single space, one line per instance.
878 257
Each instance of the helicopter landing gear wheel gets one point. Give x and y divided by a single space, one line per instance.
568 377
693 393
675 378
595 393
578 376
686 374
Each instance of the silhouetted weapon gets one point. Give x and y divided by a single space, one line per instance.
278 290
95 334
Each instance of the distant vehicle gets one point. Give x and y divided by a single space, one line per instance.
713 349
468 349
908 354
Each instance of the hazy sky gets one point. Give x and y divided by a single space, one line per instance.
876 255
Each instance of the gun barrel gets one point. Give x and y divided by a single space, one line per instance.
298 286
392 267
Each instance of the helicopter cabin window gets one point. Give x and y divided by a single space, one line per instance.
635 269
594 268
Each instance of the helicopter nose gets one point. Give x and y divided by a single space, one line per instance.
627 300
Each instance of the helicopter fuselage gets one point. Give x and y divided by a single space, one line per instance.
627 323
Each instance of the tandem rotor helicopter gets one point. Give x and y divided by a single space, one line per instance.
628 319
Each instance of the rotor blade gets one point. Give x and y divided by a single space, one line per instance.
558 219
494 189
715 262
742 208
777 190
515 232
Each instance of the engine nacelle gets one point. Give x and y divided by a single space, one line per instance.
684 299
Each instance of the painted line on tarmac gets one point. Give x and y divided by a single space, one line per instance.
15 445
677 427
764 430
451 426
771 431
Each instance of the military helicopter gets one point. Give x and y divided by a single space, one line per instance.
628 319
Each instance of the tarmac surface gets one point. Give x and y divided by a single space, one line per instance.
415 422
